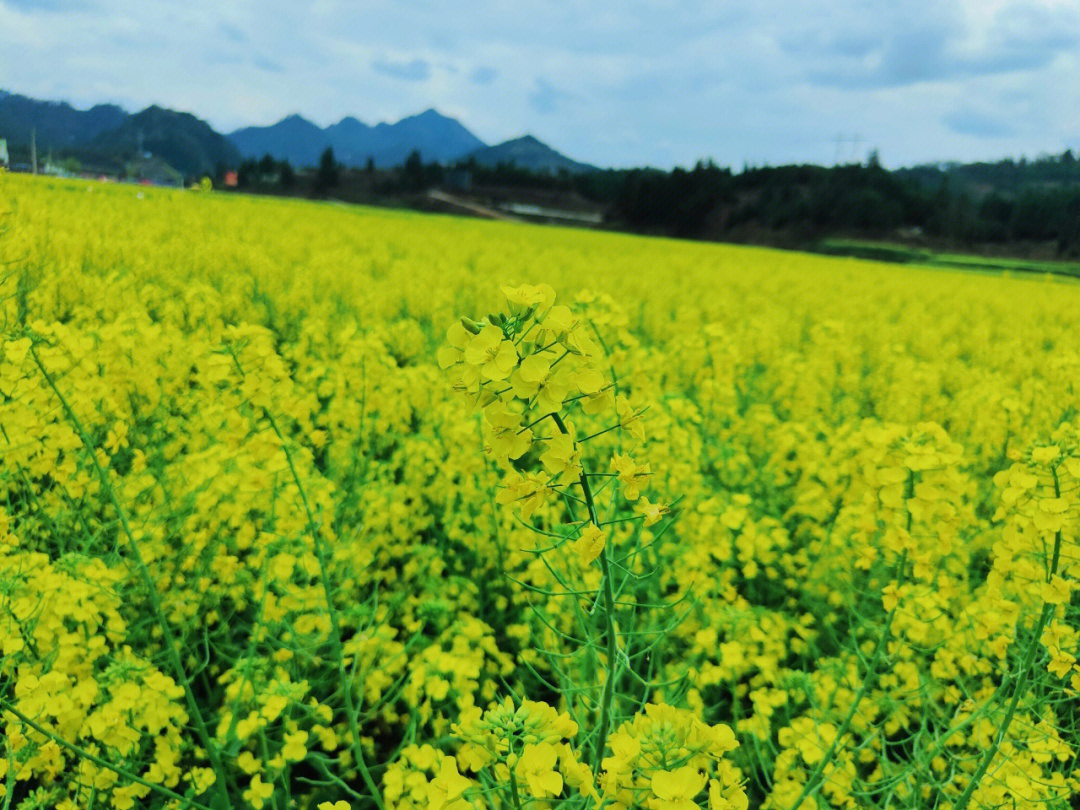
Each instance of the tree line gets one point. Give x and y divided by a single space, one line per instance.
966 205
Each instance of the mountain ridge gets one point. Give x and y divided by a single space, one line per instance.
185 142
529 152
437 137
105 133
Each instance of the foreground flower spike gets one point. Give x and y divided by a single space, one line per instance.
666 757
539 429
536 374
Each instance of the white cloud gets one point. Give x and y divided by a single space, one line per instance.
644 81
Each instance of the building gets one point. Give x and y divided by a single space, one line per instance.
4 159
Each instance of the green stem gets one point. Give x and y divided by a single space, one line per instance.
331 609
95 759
151 588
514 790
335 625
609 618
1021 682
868 679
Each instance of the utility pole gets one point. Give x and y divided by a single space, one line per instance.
33 149
847 148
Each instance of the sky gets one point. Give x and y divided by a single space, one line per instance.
639 82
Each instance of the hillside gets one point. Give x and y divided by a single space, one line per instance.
57 124
529 153
185 142
437 137
294 139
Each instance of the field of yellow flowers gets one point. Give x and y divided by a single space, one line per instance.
314 506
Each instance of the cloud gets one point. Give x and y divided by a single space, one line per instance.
887 46
47 6
416 70
545 98
642 82
977 124
232 33
483 75
262 63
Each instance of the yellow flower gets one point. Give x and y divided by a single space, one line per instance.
1044 455
631 475
527 296
629 419
532 371
489 351
274 706
508 439
446 789
202 779
652 512
731 798
1057 591
890 596
588 380
560 320
562 459
528 490
537 768
341 804
248 763
1061 663
258 792
294 748
576 773
590 545
675 790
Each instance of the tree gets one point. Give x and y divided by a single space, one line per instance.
327 176
267 166
286 175
412 173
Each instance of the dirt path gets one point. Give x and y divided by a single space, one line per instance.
479 210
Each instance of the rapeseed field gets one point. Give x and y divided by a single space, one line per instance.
315 506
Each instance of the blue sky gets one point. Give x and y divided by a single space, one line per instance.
615 84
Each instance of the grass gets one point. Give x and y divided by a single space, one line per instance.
906 254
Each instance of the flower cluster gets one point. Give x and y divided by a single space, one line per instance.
529 370
666 758
251 554
526 746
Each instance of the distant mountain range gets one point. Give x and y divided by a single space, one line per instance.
299 141
109 136
58 124
530 153
185 142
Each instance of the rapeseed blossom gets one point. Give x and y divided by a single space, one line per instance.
278 526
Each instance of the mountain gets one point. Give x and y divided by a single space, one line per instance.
294 139
57 125
530 153
349 137
436 136
185 142
109 136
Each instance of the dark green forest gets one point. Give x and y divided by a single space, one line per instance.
1020 207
